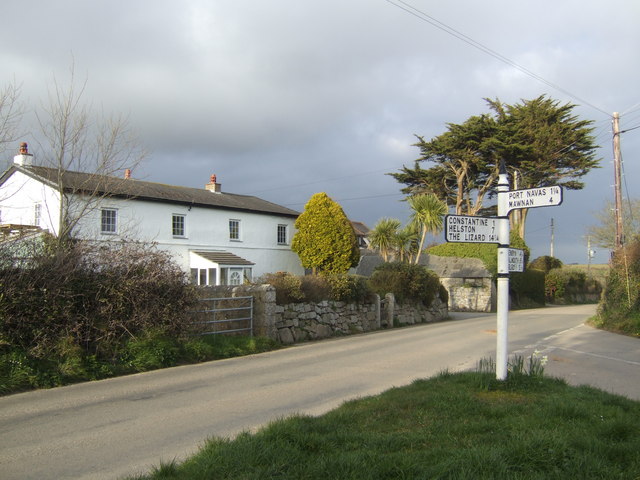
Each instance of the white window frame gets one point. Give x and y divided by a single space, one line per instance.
37 214
234 230
178 232
111 223
282 234
204 276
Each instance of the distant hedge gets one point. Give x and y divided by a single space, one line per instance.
407 282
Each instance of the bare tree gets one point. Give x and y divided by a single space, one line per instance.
11 112
75 141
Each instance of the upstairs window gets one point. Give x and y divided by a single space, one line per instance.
282 235
37 214
108 221
234 230
178 225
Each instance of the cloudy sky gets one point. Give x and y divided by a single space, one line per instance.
285 98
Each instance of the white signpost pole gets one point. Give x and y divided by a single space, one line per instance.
472 229
503 275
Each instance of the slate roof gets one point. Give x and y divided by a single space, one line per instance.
360 228
444 267
78 182
223 258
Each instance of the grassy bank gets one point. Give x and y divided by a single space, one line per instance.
453 426
21 371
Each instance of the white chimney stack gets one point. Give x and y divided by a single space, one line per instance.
24 158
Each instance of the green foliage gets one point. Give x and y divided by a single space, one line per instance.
487 252
383 237
620 303
407 282
527 288
484 251
446 427
288 287
325 240
20 370
545 263
316 288
427 216
152 350
349 288
564 285
464 159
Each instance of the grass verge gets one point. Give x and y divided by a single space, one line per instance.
21 371
452 426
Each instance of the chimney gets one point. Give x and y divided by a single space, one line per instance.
24 158
213 185
127 174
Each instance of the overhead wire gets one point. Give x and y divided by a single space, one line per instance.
401 4
421 15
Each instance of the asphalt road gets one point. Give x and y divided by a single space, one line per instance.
123 426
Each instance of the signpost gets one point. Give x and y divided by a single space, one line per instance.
516 260
534 197
462 228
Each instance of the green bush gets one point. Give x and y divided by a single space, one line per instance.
620 303
564 285
527 288
545 263
407 282
349 288
316 288
486 252
153 350
288 287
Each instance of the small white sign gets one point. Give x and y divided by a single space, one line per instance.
516 260
464 228
534 197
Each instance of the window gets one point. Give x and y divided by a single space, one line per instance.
37 214
108 222
203 276
177 225
234 275
234 229
282 234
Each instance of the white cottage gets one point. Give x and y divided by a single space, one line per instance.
220 238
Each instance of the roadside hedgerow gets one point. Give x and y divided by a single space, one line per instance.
407 282
90 296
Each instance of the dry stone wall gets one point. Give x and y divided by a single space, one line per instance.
297 322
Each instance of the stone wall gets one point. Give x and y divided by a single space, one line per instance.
298 322
467 280
469 294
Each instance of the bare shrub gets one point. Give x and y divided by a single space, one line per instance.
98 295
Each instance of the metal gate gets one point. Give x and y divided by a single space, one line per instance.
224 315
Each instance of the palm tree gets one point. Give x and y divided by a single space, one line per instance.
428 213
382 236
407 243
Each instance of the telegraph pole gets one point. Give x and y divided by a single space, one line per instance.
617 167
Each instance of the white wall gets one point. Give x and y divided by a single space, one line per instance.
205 229
18 196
